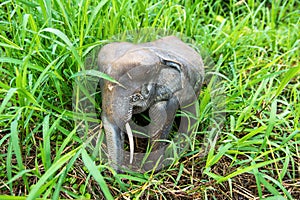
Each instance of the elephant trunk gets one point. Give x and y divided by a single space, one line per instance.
116 114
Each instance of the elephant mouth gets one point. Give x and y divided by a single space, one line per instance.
141 118
139 121
142 102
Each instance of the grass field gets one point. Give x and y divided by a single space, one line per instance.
255 48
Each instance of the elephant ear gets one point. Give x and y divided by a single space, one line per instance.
178 55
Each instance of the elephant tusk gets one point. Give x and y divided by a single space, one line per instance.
130 138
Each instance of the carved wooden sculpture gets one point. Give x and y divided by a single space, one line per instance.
158 76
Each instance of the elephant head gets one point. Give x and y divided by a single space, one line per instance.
159 76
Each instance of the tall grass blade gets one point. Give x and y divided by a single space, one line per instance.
96 74
16 146
38 188
9 166
277 197
289 75
257 178
246 113
17 176
4 138
67 41
96 174
9 43
93 15
65 14
270 125
214 159
63 175
46 143
278 184
64 144
7 97
248 169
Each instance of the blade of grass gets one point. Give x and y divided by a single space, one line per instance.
131 178
6 197
37 189
96 74
277 197
247 169
257 178
246 113
20 62
9 165
274 190
65 14
46 10
67 41
214 159
93 15
251 134
96 174
46 143
42 76
7 97
10 43
17 149
4 138
285 165
17 176
65 142
288 76
270 125
179 173
268 186
27 95
58 184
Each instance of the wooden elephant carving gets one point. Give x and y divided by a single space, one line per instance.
159 76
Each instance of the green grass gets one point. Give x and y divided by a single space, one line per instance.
255 48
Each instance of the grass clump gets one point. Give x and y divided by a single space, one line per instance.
255 48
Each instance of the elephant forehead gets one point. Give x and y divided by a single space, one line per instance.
136 62
140 55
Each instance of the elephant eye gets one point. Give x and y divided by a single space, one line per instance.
136 97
